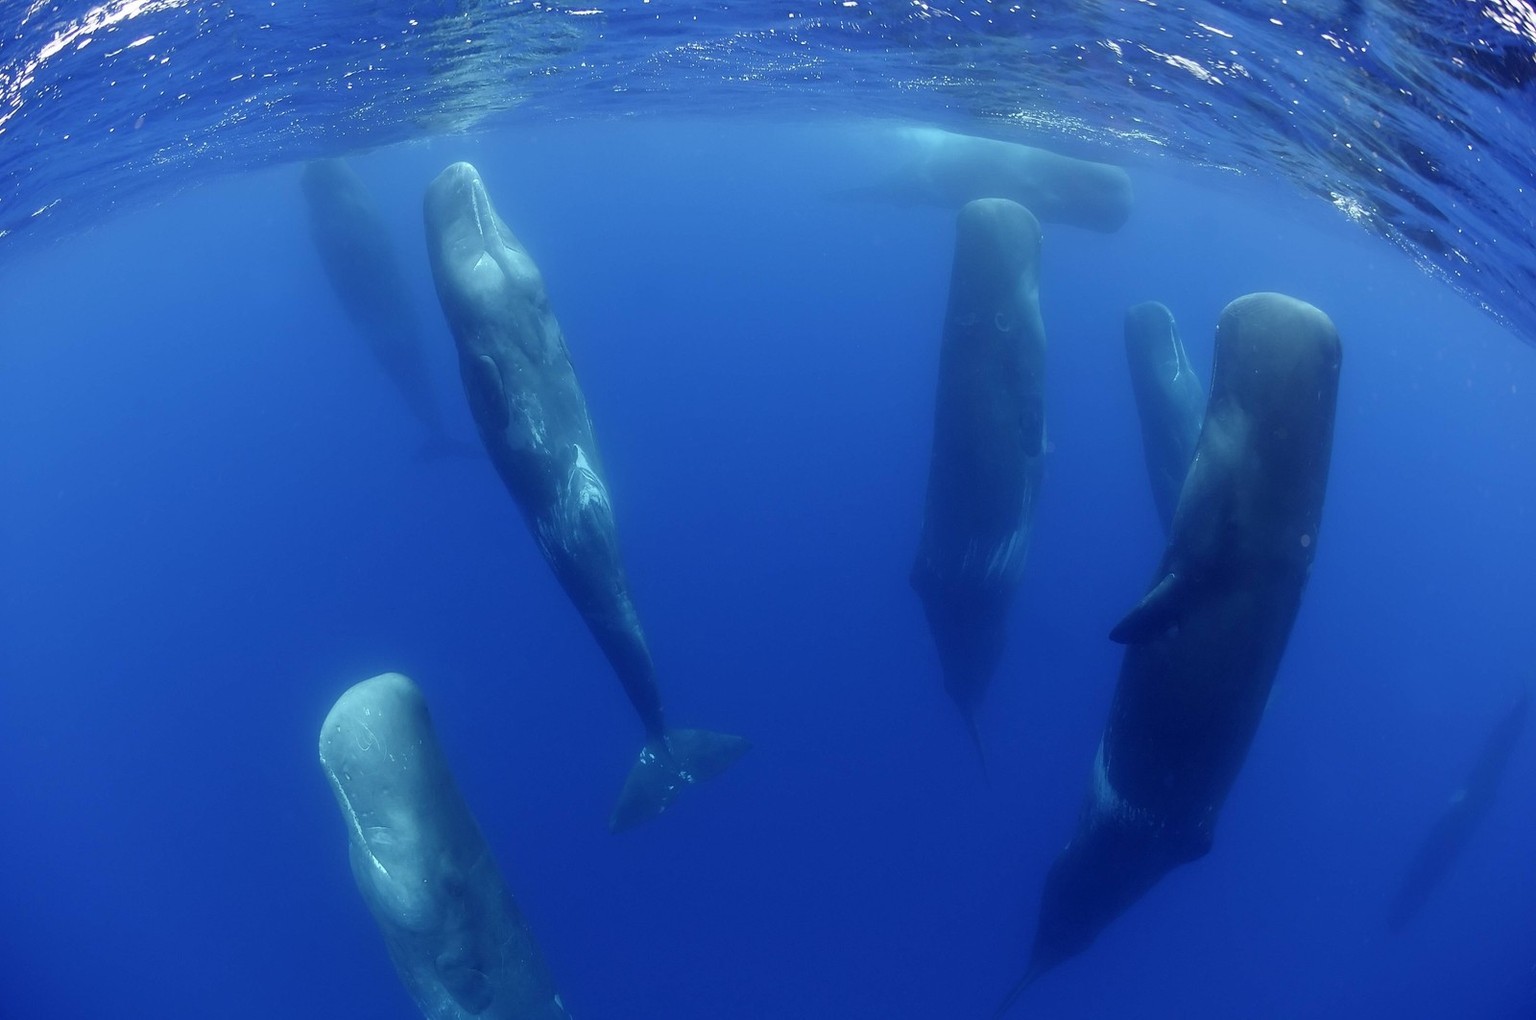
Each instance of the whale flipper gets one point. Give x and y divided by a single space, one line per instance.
682 758
1158 610
487 395
468 985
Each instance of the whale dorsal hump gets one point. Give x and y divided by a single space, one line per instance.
1157 612
487 396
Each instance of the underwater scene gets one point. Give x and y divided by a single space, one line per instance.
534 511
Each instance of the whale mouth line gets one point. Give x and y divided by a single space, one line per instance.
480 205
356 825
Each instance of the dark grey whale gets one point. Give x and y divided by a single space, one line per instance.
533 419
932 167
1169 400
1446 839
988 446
360 264
452 928
1204 644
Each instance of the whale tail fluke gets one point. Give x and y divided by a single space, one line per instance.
440 447
682 758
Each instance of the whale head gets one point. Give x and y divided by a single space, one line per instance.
1152 343
1277 358
381 757
490 289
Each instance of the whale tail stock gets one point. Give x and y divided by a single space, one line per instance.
1035 970
971 728
681 758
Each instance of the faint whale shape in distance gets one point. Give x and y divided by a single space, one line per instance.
452 928
359 261
533 419
1169 400
933 167
1205 642
988 446
1445 840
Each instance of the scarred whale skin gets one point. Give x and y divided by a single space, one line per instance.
1169 400
988 446
452 928
532 417
1204 644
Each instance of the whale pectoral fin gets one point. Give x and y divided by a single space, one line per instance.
1157 612
468 985
487 395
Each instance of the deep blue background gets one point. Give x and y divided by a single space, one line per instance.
213 522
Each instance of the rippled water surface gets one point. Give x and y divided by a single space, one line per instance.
1414 118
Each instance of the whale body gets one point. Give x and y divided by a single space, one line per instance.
1203 646
533 419
988 446
1169 400
927 166
454 932
354 247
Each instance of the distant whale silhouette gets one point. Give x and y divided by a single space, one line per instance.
933 167
360 263
988 446
1169 399
1205 642
453 930
533 418
1446 839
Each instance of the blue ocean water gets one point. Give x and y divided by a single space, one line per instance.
215 521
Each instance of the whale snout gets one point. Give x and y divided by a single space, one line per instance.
1152 339
375 723
378 752
459 209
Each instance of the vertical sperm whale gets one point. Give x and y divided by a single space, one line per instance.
1445 840
533 419
988 446
353 244
454 932
1169 400
1203 646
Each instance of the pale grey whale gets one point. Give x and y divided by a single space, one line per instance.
453 930
533 419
